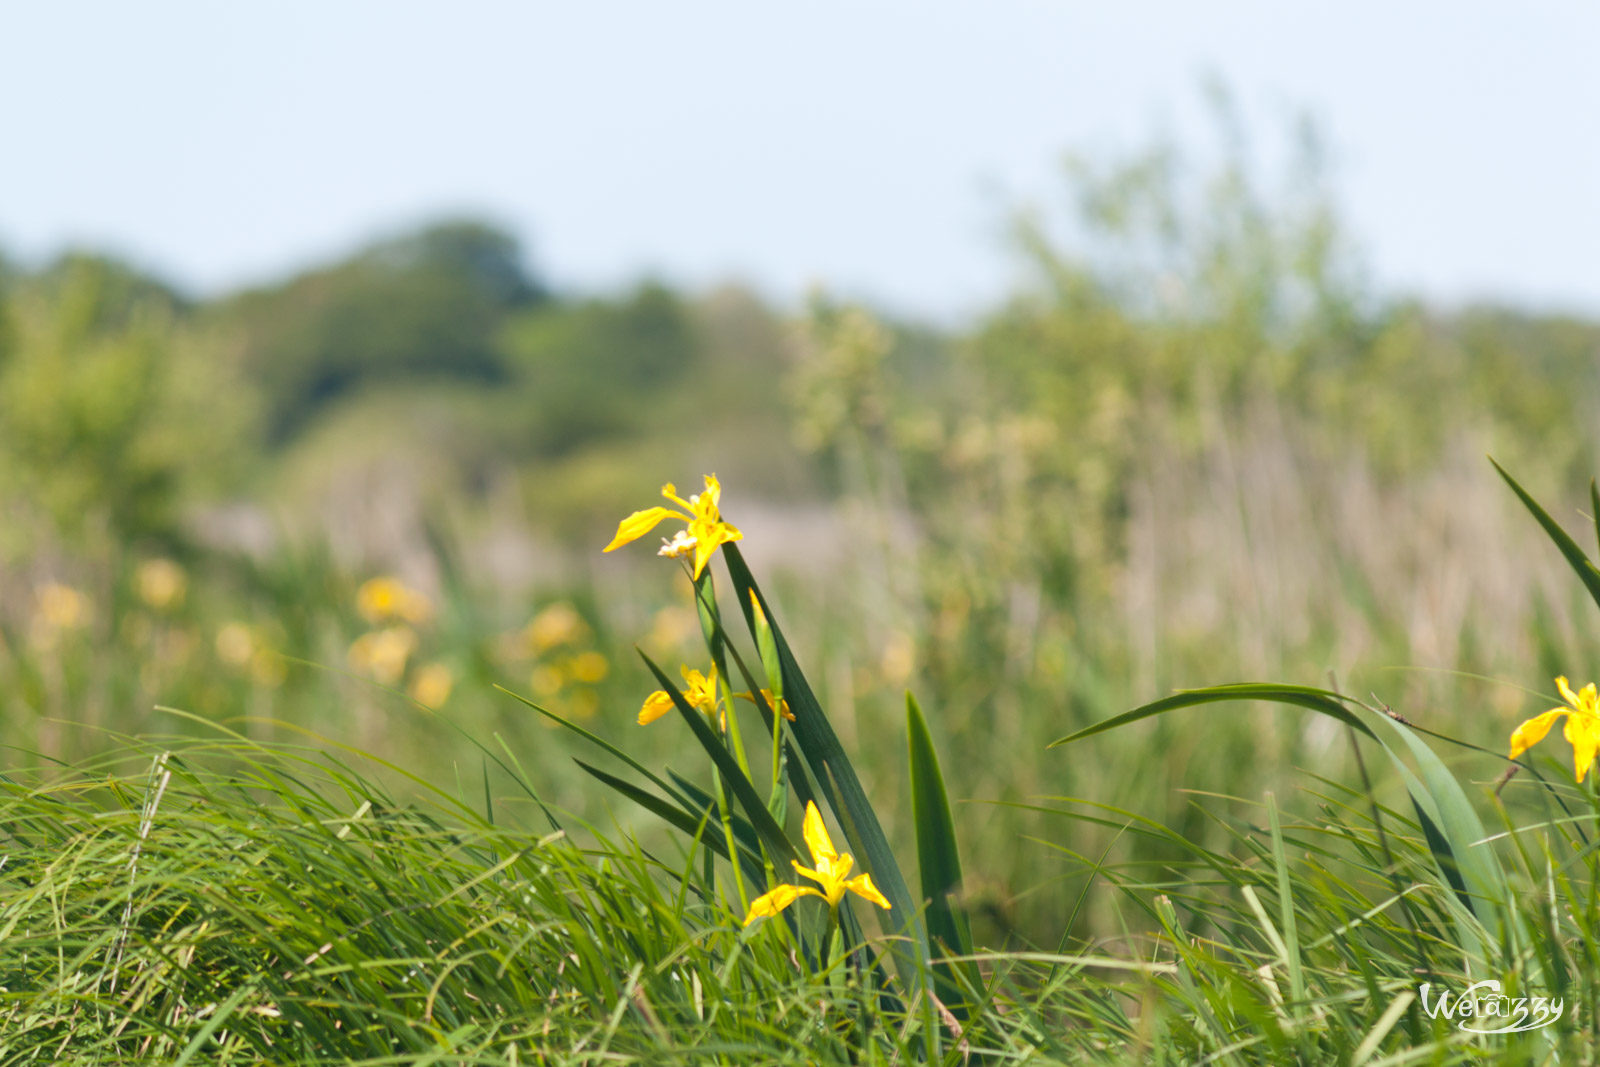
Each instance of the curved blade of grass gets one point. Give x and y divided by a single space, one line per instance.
1454 834
1323 700
1587 573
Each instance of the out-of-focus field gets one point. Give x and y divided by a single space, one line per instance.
1194 449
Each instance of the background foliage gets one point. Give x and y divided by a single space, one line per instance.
1193 447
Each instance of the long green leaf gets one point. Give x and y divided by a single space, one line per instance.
1455 835
1483 880
599 742
688 822
837 780
938 856
1323 700
1587 573
761 819
1594 509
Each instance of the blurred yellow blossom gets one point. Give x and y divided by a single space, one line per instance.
700 690
706 530
235 644
382 654
899 656
267 667
161 584
545 681
583 704
240 646
669 629
558 624
1582 729
60 607
589 668
388 599
432 685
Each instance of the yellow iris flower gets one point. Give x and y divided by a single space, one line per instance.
705 532
831 873
1582 729
782 706
700 690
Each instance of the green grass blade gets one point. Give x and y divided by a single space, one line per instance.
1453 830
938 856
599 742
1482 881
1587 573
1594 509
1286 916
1322 700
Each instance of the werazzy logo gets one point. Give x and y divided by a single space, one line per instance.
1484 1003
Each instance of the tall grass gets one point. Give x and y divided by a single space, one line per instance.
211 897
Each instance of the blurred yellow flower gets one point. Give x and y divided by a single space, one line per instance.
387 599
267 668
831 872
669 629
558 624
161 584
705 532
766 694
899 656
700 690
382 654
545 681
60 607
589 668
583 704
240 646
432 685
1582 729
235 644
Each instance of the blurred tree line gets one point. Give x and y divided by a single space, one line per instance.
1177 302
122 403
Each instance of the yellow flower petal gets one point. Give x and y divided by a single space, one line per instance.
656 705
1584 733
640 523
807 872
862 887
766 695
816 835
770 904
1532 732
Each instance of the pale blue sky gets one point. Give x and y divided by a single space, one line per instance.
876 147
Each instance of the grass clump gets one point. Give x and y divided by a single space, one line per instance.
219 898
